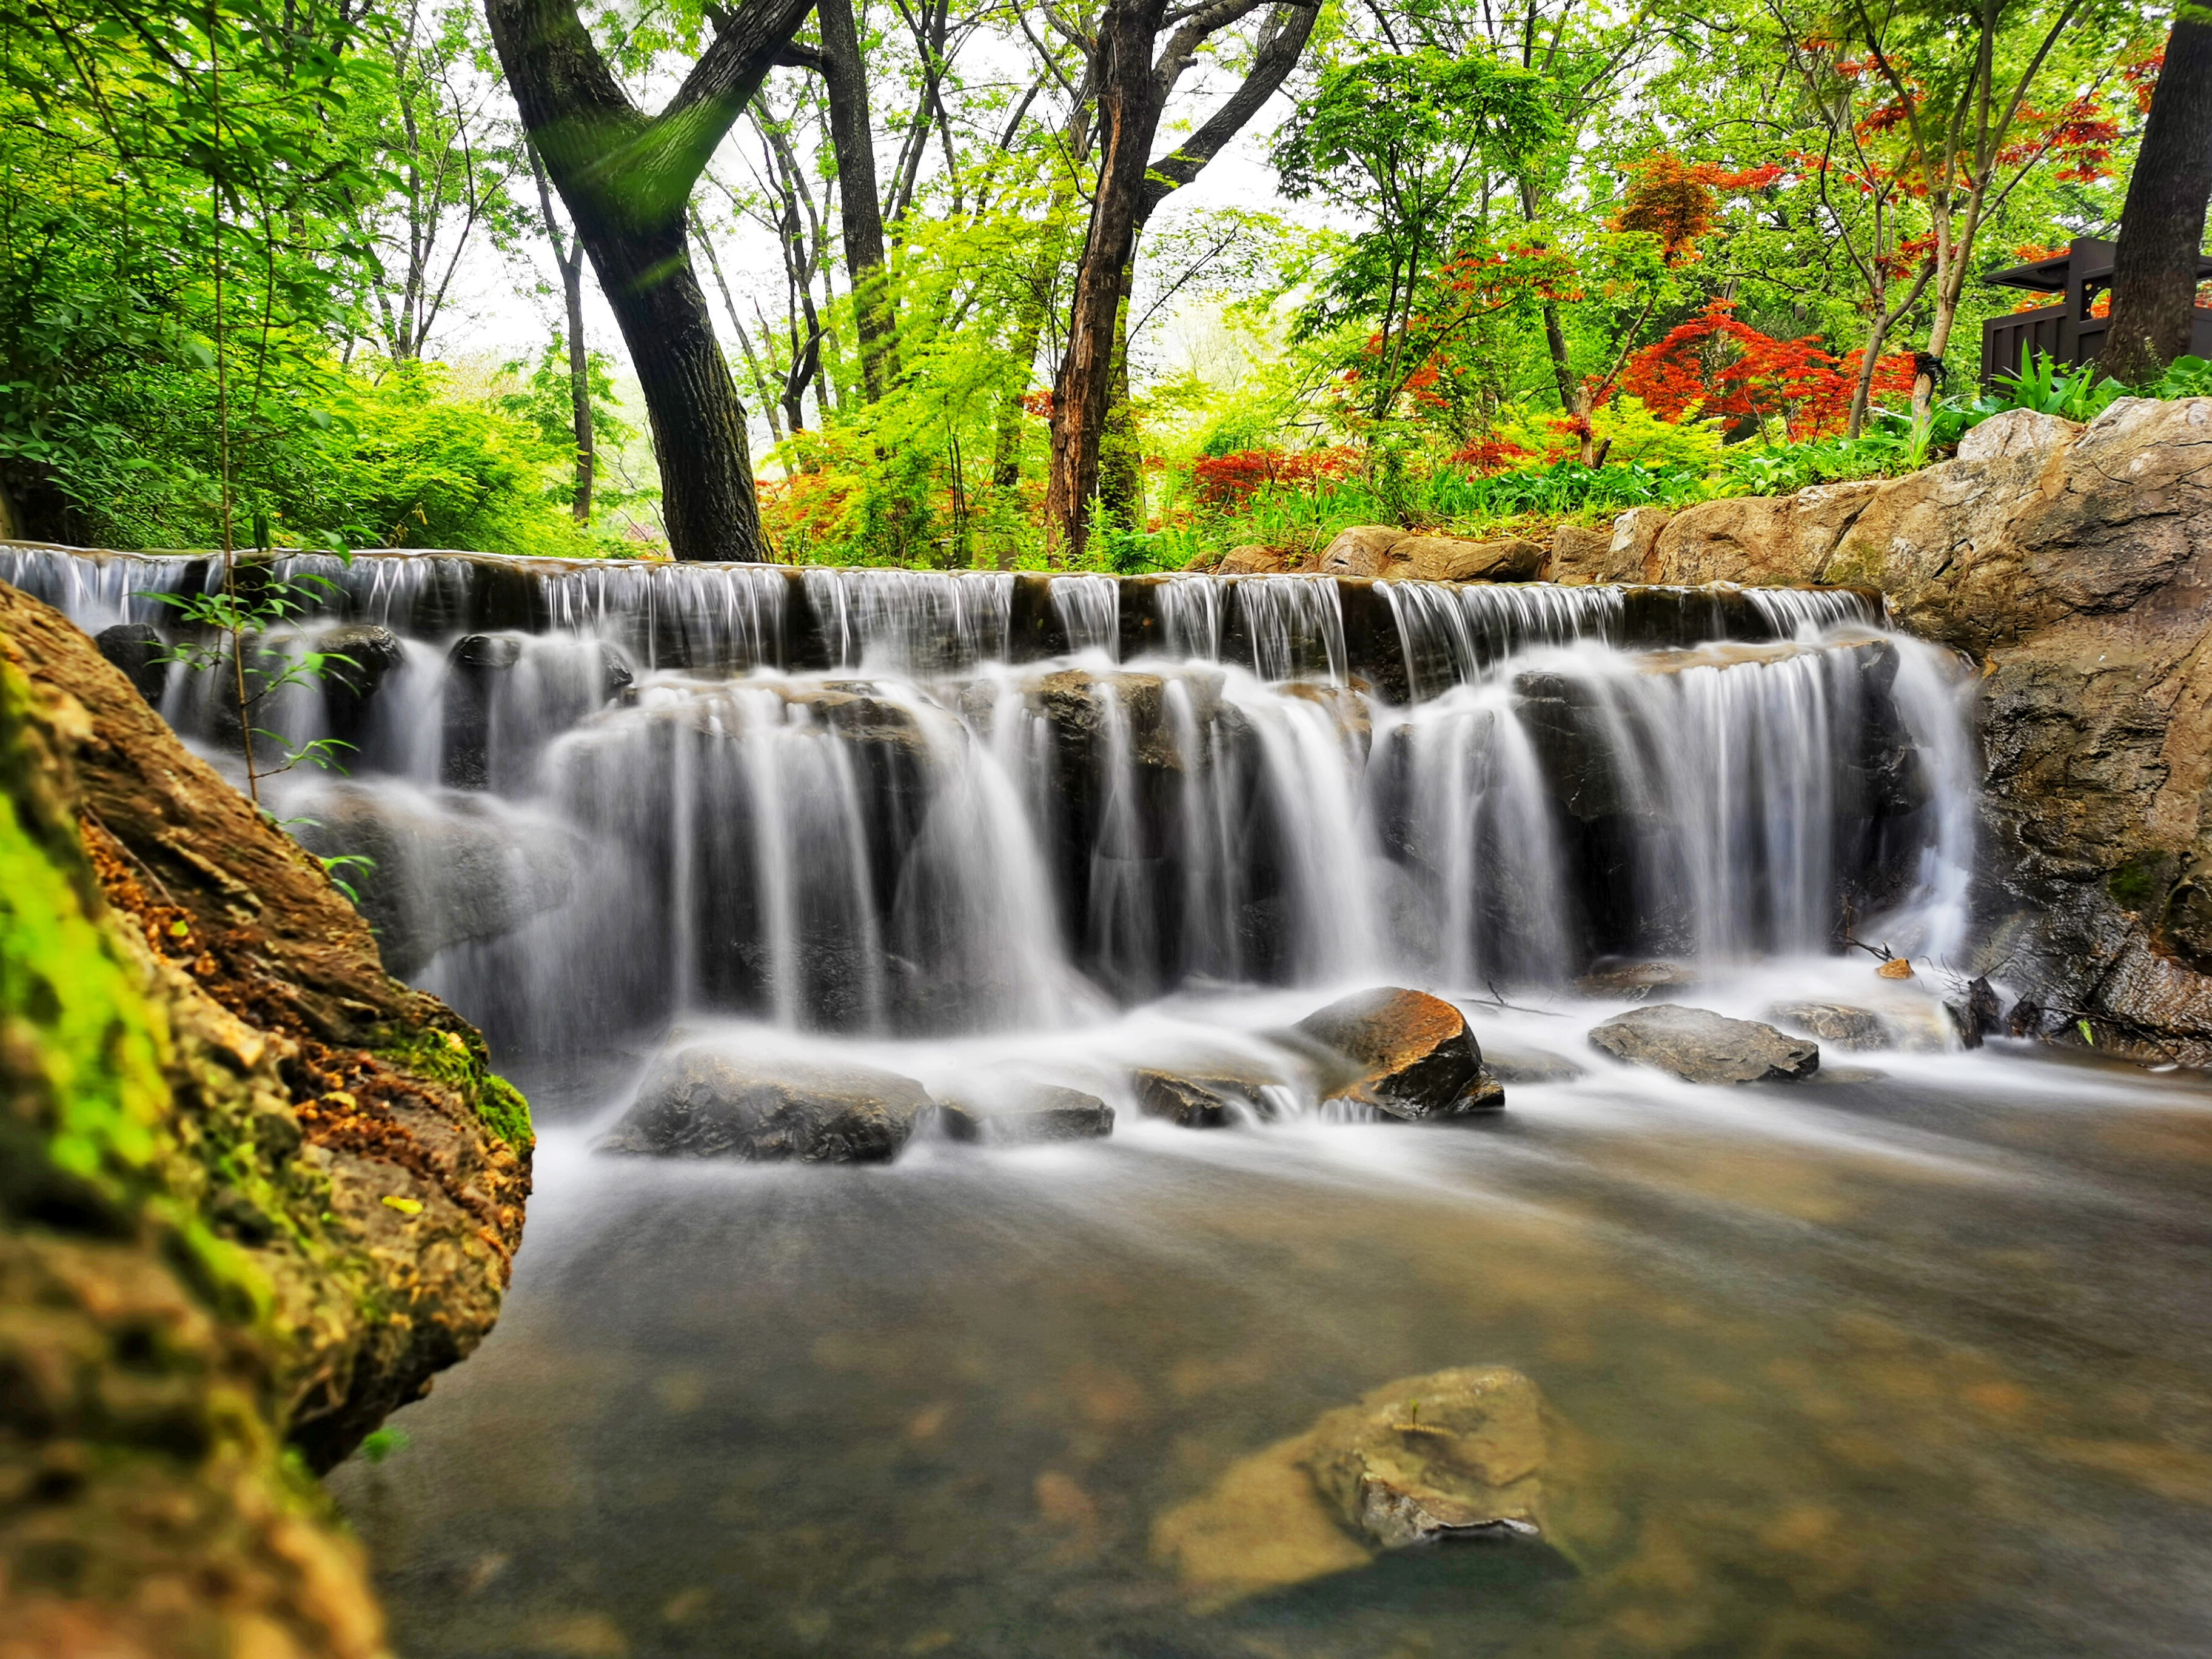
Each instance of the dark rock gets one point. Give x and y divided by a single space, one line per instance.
1029 1112
1407 1054
1975 1015
1209 1100
137 649
1833 1022
706 1102
361 657
1699 1046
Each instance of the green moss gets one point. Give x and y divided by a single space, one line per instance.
2140 883
81 1039
459 1062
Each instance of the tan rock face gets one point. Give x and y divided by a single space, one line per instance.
2074 564
1252 559
1581 556
1362 550
1448 559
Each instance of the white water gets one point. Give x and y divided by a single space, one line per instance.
924 837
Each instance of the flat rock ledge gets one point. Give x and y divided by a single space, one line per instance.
1699 1046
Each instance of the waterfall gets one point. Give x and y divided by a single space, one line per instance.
601 796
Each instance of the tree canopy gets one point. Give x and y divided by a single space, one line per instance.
961 283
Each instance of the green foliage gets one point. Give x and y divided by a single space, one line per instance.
2184 377
2080 395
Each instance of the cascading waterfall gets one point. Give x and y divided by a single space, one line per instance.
600 796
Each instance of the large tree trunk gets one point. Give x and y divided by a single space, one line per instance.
627 181
2162 227
708 500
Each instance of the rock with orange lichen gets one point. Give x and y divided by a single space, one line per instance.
253 1192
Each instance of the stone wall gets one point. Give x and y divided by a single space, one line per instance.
253 1192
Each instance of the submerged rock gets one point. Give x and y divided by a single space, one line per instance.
1026 1113
1699 1046
1837 1023
704 1102
1516 1064
1471 1454
1454 1454
1407 1054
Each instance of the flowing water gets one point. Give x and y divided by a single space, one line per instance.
1909 1358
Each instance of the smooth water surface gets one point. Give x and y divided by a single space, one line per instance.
1914 1358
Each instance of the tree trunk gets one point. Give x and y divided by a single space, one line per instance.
627 181
707 500
1120 455
569 255
1128 118
2162 227
579 384
853 136
1132 91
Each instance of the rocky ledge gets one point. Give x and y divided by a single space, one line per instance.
2073 566
253 1192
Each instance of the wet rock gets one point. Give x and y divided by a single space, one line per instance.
1213 1098
1473 1454
1407 1054
1025 1113
1975 1014
705 1102
139 651
1362 550
444 869
359 659
1837 1023
1699 1046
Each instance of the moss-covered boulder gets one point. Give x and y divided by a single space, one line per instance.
253 1192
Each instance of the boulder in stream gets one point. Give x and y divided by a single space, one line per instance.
1407 1054
705 1102
1699 1046
1024 1114
139 651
